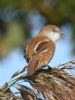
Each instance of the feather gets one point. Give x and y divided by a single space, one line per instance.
33 66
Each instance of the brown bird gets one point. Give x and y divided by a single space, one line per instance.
40 50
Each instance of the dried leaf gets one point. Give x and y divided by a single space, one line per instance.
19 72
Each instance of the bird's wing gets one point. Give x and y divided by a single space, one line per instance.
41 48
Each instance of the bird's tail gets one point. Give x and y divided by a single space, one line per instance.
32 67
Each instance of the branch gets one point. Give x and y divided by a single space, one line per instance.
46 84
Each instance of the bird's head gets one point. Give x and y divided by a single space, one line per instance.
51 31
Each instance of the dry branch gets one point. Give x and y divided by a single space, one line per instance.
46 84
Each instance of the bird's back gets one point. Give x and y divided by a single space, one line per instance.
39 51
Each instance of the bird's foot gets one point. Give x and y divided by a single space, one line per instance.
49 68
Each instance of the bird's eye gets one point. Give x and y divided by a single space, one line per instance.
53 29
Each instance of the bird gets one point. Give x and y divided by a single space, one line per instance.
40 50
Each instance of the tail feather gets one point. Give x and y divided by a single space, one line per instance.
32 67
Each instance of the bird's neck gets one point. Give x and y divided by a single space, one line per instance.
52 36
